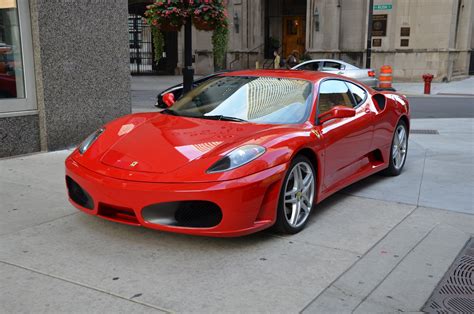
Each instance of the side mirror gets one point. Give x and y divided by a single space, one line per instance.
168 99
337 112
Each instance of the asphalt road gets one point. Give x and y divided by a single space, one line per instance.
422 107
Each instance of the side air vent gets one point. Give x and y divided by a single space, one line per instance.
379 101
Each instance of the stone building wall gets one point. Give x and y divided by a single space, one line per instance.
440 42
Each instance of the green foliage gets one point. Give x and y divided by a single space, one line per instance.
170 15
158 43
220 39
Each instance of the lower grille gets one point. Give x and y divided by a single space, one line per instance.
78 194
119 214
195 214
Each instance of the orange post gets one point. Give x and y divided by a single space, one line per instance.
385 79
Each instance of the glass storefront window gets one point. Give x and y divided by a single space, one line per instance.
11 60
17 86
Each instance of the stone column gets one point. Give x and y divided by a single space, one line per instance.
82 67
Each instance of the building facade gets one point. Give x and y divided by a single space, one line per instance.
63 71
413 36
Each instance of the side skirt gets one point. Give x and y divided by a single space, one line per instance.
373 164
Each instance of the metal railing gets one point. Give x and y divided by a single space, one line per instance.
247 53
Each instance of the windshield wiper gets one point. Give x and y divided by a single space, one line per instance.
170 112
224 118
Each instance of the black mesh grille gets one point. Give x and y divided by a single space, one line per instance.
78 194
196 214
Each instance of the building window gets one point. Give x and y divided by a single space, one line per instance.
16 65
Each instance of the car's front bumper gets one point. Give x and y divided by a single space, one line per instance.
247 204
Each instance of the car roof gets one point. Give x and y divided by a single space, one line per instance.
312 76
330 60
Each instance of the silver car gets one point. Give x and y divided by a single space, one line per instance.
366 76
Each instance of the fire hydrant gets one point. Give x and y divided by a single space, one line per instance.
428 78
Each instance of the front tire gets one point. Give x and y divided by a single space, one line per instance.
297 196
398 151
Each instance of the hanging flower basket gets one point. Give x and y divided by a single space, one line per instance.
209 15
167 15
203 25
166 27
206 15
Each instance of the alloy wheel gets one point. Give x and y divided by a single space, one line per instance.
399 149
299 194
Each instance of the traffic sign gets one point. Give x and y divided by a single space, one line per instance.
383 7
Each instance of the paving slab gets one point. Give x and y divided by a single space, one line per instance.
351 223
410 284
181 273
24 291
357 284
448 185
32 190
43 171
24 205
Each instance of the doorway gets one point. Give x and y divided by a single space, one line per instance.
294 35
285 27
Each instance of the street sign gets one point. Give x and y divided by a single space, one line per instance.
383 7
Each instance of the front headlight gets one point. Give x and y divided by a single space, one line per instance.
90 140
236 158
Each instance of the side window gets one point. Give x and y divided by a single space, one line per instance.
359 93
310 66
333 93
330 65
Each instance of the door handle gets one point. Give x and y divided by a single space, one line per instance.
367 110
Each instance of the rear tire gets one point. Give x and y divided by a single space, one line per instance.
297 196
398 150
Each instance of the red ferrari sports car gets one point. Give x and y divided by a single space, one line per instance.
240 153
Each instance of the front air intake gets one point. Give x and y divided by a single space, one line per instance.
192 214
78 194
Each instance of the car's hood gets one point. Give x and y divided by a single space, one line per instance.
166 143
154 147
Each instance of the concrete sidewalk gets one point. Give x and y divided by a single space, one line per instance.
463 87
380 245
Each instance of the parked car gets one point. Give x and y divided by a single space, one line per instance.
7 86
177 90
6 58
366 76
240 153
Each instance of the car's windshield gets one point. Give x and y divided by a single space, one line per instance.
255 99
